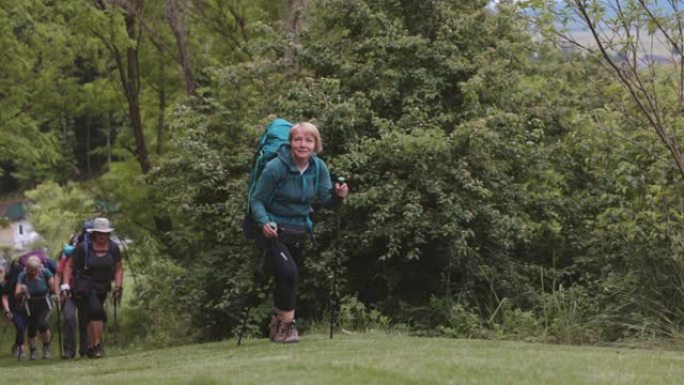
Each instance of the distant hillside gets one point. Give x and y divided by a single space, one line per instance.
653 48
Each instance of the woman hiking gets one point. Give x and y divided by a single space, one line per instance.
33 289
281 206
12 308
95 263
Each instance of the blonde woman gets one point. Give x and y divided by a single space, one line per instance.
281 206
33 289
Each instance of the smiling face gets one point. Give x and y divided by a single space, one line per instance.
303 145
305 140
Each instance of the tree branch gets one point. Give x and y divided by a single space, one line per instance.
654 119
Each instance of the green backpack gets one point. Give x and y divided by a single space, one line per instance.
276 134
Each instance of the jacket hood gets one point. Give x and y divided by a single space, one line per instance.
285 154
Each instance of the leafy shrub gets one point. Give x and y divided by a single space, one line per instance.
157 314
354 315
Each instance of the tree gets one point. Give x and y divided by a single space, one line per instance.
176 14
639 42
36 52
420 105
125 52
57 212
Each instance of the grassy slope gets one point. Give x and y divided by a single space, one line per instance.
360 359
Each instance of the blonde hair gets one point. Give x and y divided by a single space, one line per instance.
34 263
307 128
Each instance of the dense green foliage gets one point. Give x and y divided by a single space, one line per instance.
494 192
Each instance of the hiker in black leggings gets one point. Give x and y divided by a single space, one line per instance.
282 262
34 286
281 205
11 308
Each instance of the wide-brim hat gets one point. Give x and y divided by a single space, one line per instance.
101 225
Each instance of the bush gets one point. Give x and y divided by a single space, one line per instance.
354 315
157 315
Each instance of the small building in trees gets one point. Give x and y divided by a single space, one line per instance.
16 233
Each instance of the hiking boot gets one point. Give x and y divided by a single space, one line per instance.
287 333
46 351
273 328
98 351
34 354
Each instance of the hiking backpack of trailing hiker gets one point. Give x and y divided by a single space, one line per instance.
276 134
47 262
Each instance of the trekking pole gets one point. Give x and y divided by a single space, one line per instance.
116 317
25 303
59 326
333 292
128 259
248 308
4 331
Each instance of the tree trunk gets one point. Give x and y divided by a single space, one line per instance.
109 140
89 168
175 17
293 24
293 13
160 121
131 83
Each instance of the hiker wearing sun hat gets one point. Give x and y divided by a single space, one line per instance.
95 264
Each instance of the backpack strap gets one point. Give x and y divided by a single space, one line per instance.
278 184
317 171
41 277
86 252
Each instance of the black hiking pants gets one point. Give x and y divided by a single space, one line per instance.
91 307
72 327
281 261
37 321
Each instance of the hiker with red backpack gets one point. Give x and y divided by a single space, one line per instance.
280 207
33 291
72 323
94 265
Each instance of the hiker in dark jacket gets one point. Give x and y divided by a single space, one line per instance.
281 205
33 289
12 309
69 308
95 264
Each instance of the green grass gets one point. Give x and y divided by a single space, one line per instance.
372 358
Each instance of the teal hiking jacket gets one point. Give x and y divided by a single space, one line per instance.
283 195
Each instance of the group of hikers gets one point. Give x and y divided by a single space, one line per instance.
278 218
77 285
